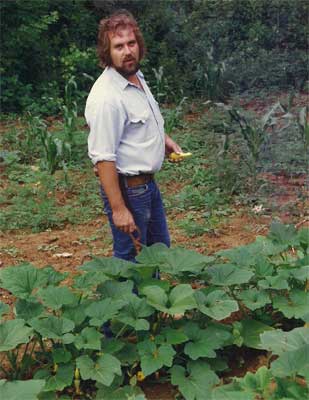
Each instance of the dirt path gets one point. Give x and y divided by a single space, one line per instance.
68 248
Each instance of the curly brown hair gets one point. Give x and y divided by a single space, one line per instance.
119 20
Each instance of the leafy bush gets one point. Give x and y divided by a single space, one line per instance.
61 326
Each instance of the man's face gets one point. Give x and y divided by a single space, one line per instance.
124 51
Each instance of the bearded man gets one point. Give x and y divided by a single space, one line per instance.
127 143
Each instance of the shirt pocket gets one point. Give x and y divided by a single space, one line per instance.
139 117
139 125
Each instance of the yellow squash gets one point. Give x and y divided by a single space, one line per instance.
178 156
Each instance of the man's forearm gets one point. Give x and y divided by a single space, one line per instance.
122 217
109 180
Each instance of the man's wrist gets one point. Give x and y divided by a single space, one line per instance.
118 207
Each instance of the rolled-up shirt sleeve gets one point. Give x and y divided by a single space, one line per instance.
106 123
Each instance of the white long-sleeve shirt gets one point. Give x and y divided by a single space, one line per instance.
125 123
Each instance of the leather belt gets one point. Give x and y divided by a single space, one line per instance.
136 180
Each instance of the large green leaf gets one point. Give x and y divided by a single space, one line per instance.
13 333
76 313
88 338
61 355
230 392
62 378
263 267
152 255
17 390
28 309
102 370
287 389
293 350
163 284
22 280
171 336
196 382
176 261
250 331
54 277
279 342
89 280
250 253
154 357
117 290
277 282
133 314
292 363
204 342
258 383
103 310
243 255
283 234
294 305
264 246
254 299
217 304
55 297
179 300
52 327
301 274
112 345
120 393
113 267
303 237
251 386
128 354
228 274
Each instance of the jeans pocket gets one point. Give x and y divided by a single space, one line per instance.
137 190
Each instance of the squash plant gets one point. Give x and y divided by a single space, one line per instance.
184 327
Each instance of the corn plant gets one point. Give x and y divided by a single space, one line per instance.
70 110
33 125
214 76
173 116
255 133
303 124
160 86
55 151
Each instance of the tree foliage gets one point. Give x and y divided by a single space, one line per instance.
251 43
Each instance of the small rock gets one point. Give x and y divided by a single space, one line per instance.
63 255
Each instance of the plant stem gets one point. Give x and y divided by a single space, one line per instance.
22 360
121 331
42 344
2 368
12 359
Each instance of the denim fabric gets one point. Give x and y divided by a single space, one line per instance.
149 216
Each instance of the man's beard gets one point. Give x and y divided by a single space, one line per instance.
127 71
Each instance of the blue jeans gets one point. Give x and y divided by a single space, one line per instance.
148 213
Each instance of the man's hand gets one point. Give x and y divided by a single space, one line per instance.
124 221
171 146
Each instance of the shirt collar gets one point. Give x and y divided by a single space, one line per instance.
119 79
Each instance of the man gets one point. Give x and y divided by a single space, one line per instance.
127 142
